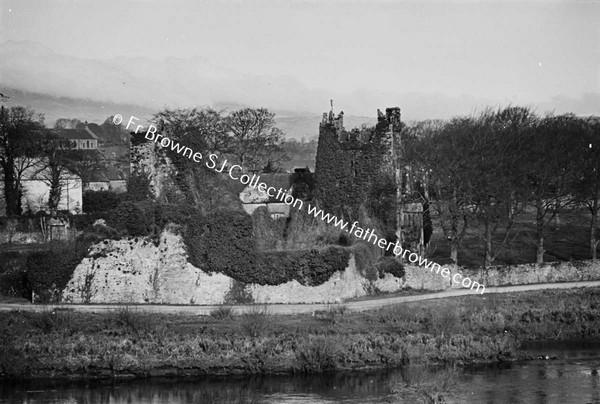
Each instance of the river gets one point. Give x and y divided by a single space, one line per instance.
571 377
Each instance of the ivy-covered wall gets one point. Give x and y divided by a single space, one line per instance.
223 243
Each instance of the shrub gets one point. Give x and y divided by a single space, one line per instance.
48 272
85 222
26 224
381 204
13 283
443 321
302 183
330 313
238 294
172 213
309 267
138 187
222 313
256 322
131 217
390 265
305 231
365 256
222 243
99 201
55 319
318 354
268 233
133 319
11 260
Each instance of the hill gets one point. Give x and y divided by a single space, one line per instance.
295 126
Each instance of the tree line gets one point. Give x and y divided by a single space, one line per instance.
481 172
29 149
247 136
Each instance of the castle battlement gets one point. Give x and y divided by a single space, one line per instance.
333 125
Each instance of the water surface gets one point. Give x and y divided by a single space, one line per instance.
573 377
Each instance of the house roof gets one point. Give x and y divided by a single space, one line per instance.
76 134
96 130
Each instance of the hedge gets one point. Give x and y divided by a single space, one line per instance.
309 267
223 243
48 272
99 201
390 265
13 276
133 217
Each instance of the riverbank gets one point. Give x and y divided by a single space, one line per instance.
128 343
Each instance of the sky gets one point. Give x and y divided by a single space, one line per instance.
434 59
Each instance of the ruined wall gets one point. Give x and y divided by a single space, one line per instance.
137 271
144 160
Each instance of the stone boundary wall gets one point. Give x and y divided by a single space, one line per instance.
523 274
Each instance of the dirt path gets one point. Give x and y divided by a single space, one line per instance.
362 305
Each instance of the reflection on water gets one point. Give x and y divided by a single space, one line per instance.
331 388
573 377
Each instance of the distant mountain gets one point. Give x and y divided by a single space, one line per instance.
293 125
88 110
298 127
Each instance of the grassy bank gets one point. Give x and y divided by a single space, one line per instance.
126 342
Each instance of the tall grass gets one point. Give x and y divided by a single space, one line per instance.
133 319
256 321
55 319
222 313
318 354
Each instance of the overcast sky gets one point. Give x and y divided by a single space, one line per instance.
438 58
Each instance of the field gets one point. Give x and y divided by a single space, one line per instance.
568 239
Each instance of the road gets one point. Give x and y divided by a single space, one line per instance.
356 306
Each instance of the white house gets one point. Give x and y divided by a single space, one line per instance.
36 191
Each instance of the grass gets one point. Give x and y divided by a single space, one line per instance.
126 341
222 313
256 322
59 320
132 319
568 239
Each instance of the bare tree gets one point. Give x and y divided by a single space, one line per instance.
587 182
85 163
437 151
551 169
497 149
255 141
20 133
53 168
68 123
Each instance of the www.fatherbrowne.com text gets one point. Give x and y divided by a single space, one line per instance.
235 172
